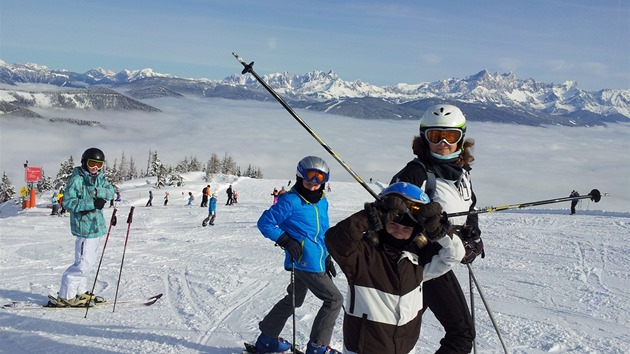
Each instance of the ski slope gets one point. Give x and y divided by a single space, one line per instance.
555 283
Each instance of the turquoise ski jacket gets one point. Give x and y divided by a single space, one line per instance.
78 199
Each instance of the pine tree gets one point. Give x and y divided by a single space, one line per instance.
149 163
175 179
195 165
112 174
158 170
64 174
228 166
45 184
214 165
123 168
132 173
7 190
182 166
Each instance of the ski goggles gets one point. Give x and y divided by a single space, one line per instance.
450 136
97 164
315 176
413 208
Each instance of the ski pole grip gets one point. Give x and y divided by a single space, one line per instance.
130 217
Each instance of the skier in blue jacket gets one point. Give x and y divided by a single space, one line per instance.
85 195
298 223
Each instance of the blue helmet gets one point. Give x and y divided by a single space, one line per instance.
408 191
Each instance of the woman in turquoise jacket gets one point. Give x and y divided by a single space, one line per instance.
298 223
85 196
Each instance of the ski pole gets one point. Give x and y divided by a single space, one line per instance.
112 222
594 195
471 289
129 220
485 303
293 299
249 68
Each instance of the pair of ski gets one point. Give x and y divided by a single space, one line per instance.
22 305
251 349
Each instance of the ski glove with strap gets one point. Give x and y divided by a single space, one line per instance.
330 267
434 221
471 237
291 245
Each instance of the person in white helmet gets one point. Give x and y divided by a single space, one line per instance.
442 169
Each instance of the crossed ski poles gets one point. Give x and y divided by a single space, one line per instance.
113 221
594 195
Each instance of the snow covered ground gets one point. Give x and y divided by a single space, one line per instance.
555 283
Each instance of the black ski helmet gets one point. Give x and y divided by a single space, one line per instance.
91 154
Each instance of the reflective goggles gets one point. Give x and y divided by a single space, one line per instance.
450 136
414 208
315 176
98 164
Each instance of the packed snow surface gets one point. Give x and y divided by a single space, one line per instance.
554 283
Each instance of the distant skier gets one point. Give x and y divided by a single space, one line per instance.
205 194
55 205
166 196
191 198
229 195
574 202
212 210
150 201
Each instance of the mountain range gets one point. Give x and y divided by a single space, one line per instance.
483 96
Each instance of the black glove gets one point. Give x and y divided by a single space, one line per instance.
330 267
384 210
434 221
99 203
471 238
291 245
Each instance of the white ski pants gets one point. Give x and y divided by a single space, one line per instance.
74 279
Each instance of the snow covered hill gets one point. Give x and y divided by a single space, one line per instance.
555 283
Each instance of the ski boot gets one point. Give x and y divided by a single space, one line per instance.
312 348
91 297
266 344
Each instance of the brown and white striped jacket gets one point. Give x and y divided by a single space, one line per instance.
382 307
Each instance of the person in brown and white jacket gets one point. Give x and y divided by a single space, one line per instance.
379 249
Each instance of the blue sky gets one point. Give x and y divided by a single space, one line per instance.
380 42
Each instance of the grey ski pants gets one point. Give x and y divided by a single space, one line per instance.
322 286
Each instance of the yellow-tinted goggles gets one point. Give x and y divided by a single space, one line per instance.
98 164
450 135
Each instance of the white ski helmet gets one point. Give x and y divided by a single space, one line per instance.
443 116
313 169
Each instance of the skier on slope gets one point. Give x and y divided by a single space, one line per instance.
212 211
85 195
297 223
385 269
442 169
